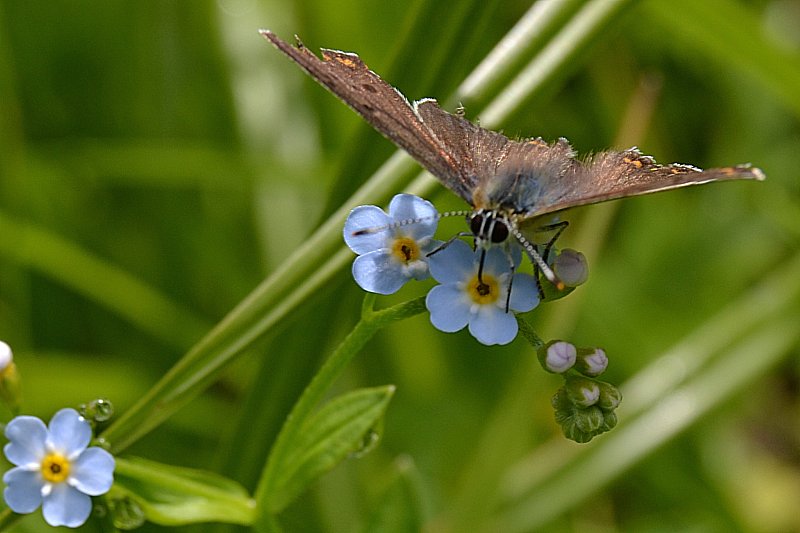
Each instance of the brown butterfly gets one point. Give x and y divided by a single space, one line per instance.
508 183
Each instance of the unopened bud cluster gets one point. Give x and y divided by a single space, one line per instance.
584 406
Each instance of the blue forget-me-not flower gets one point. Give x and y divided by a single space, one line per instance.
391 247
464 299
55 468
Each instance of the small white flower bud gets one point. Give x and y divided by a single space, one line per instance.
593 362
559 357
583 392
6 357
571 267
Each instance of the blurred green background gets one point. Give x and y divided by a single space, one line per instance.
159 159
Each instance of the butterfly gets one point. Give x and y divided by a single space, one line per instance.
510 184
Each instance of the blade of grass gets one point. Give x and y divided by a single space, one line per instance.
555 59
101 282
535 26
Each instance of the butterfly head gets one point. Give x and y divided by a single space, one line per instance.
492 227
489 226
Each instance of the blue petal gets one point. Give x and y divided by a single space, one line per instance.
516 252
497 262
23 492
449 308
416 269
453 264
69 432
27 436
367 217
492 325
93 472
378 272
66 506
428 245
524 293
409 207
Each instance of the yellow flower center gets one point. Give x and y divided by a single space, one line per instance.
405 249
55 467
484 292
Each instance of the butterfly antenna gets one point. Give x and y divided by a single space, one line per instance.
395 224
409 221
448 242
537 259
458 235
460 213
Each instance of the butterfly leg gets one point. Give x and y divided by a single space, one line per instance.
511 269
538 263
539 287
559 228
448 242
480 265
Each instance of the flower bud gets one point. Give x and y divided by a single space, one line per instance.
573 433
583 392
562 407
570 267
6 356
126 513
609 421
592 361
557 356
10 387
610 397
589 420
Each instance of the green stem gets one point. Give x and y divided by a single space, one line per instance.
8 518
530 335
371 321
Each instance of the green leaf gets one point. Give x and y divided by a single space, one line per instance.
327 437
171 495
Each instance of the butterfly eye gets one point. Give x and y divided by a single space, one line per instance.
476 224
499 231
489 227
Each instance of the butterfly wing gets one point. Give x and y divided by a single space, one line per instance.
488 170
478 151
388 111
612 175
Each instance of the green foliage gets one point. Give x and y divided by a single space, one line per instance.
171 496
326 438
171 197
